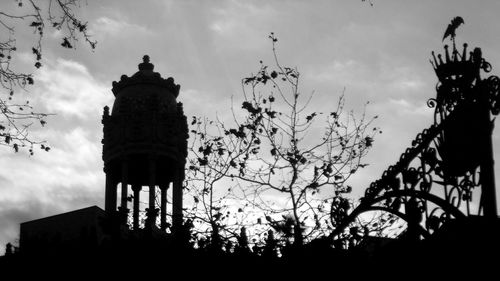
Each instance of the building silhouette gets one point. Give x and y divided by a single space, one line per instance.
74 231
144 147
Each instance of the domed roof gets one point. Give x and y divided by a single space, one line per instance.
146 90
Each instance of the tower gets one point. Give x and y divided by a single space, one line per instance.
465 103
145 146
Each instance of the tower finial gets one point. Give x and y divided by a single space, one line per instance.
146 65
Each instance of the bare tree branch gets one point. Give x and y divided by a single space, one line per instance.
17 118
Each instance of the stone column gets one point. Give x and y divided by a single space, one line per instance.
152 181
110 200
177 200
123 207
137 189
163 209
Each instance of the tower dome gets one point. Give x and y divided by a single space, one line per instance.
133 93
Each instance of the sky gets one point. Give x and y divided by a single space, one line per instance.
378 54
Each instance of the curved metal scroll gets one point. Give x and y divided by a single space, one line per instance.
446 173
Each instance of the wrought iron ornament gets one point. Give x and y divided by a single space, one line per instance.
447 172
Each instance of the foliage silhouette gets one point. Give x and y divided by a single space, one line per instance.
17 117
276 150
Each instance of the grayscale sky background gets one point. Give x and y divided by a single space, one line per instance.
378 53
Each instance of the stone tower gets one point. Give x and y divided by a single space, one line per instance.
145 145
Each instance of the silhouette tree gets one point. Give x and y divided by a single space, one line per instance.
9 249
217 218
16 118
276 158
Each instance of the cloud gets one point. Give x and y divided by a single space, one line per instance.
70 175
74 161
357 77
105 27
241 24
402 107
402 79
66 88
400 120
206 104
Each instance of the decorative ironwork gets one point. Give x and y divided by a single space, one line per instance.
447 173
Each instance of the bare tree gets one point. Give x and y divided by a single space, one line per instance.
217 218
278 161
17 117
